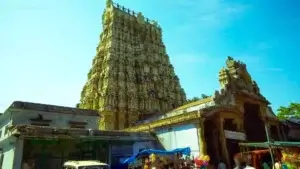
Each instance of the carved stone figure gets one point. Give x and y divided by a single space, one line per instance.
108 3
140 17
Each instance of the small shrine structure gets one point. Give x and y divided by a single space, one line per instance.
238 112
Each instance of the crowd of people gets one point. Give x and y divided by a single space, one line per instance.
178 162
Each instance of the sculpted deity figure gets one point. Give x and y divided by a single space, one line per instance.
141 103
121 76
145 90
131 76
155 78
140 17
148 104
132 102
154 23
155 71
130 73
154 103
121 83
122 100
131 88
256 89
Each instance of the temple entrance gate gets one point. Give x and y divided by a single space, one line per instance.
232 148
253 124
233 137
212 140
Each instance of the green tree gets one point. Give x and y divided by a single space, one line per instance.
193 99
293 110
204 96
77 105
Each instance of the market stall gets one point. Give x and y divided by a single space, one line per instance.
147 152
291 157
286 152
150 158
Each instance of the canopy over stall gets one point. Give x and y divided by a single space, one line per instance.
272 144
184 151
287 153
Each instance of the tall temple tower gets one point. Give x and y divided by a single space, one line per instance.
131 75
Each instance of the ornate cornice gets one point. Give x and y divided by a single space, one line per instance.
166 122
185 117
211 111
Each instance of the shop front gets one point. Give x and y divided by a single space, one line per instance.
50 147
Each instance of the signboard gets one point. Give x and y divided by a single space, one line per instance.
234 135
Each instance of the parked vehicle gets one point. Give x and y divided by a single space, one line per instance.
85 165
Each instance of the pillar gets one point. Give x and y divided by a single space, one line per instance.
279 133
121 120
201 136
240 105
18 154
239 124
284 134
109 153
107 121
269 132
222 140
264 117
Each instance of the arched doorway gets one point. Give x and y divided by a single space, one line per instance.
253 124
212 140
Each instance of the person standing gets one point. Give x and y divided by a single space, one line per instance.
265 165
28 164
248 163
221 165
277 165
238 162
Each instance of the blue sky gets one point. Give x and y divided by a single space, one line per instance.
47 47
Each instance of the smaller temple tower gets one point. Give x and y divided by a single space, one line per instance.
236 75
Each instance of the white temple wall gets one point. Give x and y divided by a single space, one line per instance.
179 137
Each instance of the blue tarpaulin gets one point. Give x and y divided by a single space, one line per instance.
184 151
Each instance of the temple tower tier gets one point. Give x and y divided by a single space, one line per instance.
131 76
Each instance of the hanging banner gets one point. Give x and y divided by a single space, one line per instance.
234 135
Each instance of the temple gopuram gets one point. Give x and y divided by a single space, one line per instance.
133 84
131 76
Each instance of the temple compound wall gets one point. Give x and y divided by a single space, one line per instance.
236 113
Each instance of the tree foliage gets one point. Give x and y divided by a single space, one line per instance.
193 99
77 105
203 96
293 110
